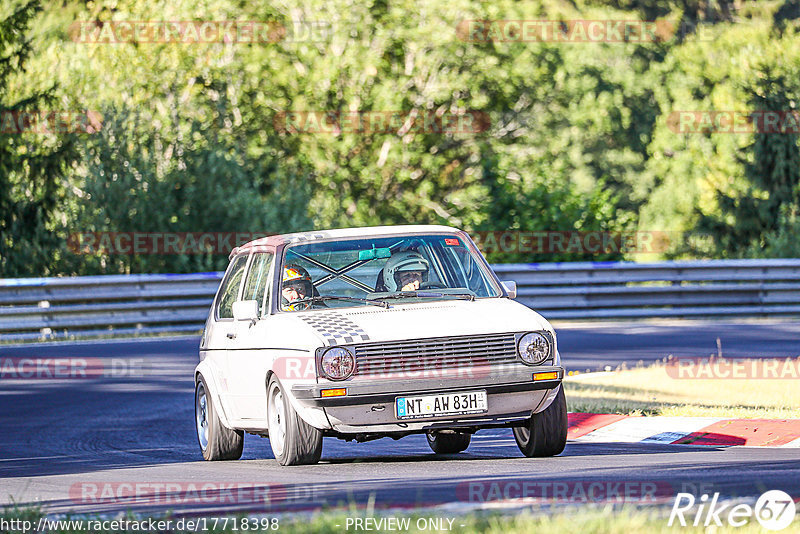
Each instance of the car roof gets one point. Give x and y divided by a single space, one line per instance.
341 233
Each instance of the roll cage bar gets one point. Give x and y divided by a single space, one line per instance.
342 273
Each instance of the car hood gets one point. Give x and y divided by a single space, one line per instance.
442 318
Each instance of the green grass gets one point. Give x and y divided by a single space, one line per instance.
652 390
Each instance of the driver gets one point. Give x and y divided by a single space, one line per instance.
405 271
296 286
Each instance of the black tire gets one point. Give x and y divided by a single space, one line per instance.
448 443
545 433
293 441
216 441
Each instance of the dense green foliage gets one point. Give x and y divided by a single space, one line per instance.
578 135
32 171
750 218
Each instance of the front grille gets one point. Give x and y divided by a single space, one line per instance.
416 355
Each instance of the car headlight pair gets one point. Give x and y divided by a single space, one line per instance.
337 363
534 348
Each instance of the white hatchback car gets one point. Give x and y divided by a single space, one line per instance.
366 333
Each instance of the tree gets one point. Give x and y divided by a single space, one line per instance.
140 179
32 165
773 173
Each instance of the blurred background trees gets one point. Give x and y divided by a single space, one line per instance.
578 138
33 171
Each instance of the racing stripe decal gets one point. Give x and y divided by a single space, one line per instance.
336 328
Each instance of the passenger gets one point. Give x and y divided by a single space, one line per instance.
405 271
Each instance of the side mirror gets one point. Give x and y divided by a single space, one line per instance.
245 310
510 287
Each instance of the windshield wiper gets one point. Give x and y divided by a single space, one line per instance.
427 294
321 298
466 296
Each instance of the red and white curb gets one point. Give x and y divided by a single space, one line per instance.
710 431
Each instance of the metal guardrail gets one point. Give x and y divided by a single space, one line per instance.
618 290
92 306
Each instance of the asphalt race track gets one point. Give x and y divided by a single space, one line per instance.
71 444
593 347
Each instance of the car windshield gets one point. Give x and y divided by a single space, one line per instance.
376 271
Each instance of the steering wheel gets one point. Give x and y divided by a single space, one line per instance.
432 285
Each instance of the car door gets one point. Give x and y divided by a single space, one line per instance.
221 333
248 358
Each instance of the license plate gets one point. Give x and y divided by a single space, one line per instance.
468 402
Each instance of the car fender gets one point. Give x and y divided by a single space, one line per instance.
548 400
314 416
204 368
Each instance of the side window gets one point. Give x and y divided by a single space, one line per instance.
256 284
230 288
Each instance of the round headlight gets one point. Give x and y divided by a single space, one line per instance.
534 348
337 363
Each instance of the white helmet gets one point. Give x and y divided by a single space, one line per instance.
403 262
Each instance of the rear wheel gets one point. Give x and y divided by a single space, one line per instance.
448 442
216 441
545 433
293 441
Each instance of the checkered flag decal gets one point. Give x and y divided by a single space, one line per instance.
336 328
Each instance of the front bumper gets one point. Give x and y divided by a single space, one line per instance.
369 404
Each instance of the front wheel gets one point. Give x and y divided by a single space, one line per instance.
448 443
216 441
545 433
293 441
